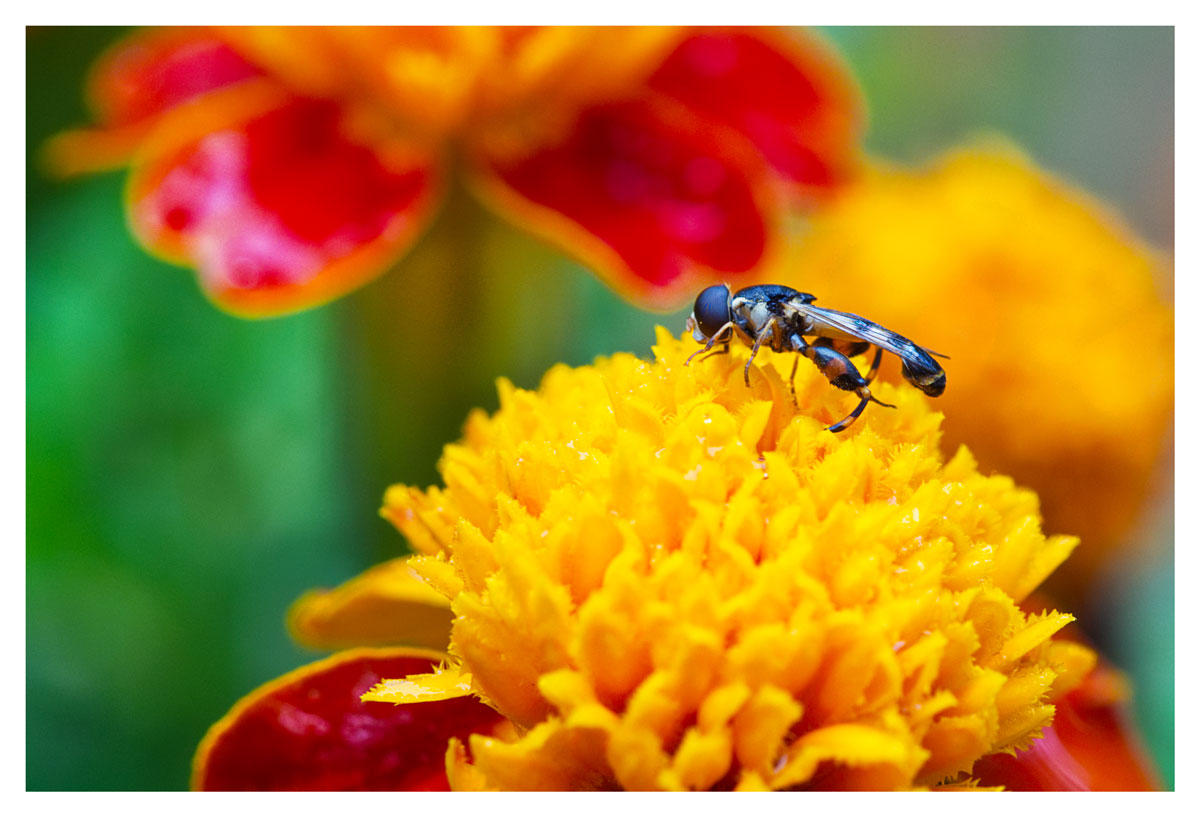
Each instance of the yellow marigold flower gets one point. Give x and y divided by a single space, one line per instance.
1062 347
666 580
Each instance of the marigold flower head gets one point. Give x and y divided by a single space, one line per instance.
289 165
1061 342
667 580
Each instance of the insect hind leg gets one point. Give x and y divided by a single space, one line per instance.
841 372
844 423
870 376
854 348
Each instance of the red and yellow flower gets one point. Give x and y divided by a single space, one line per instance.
291 165
648 576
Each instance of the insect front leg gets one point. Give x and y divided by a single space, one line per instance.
728 327
767 331
722 349
841 373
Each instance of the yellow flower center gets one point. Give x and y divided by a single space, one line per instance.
668 580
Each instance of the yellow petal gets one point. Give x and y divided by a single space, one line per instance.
439 685
845 744
702 758
760 727
388 604
1035 633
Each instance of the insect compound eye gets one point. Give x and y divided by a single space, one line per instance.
712 309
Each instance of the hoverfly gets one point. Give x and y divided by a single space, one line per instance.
780 317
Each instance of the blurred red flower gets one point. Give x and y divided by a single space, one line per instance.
291 165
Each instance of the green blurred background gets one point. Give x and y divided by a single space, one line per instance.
189 474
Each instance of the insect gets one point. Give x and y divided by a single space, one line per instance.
780 317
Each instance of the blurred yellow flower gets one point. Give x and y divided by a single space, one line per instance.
667 580
1051 310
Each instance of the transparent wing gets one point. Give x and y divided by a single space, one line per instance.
830 323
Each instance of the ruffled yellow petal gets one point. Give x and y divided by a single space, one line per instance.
443 683
850 745
548 758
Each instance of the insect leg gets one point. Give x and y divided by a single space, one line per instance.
792 381
842 374
713 340
723 349
854 348
875 364
768 329
845 422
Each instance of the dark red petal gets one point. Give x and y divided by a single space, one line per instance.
308 731
790 96
1091 746
154 70
646 193
282 210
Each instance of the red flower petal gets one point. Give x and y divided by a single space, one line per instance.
154 70
1091 746
144 75
274 204
790 97
309 731
645 193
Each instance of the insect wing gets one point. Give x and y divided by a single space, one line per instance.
847 326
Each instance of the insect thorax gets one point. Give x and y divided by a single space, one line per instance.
753 308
